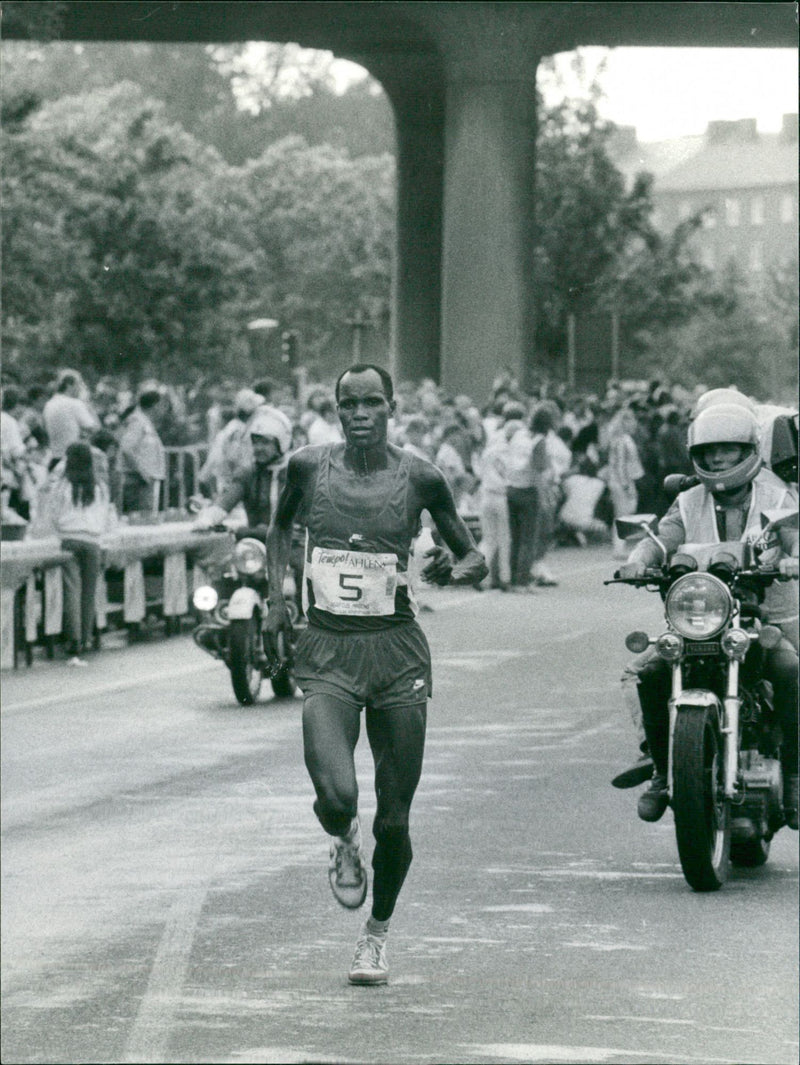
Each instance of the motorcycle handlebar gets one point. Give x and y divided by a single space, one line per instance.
656 575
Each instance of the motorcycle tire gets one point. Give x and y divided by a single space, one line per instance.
243 642
283 685
751 854
702 813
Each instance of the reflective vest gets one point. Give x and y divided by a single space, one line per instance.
769 492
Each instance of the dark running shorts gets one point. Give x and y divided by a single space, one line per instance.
382 669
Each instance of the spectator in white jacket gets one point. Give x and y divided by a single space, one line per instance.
493 510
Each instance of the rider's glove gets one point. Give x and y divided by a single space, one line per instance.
789 566
632 570
209 516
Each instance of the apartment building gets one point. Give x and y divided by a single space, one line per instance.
744 182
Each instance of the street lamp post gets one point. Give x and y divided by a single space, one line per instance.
358 323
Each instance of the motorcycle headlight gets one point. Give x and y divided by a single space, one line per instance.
205 597
249 556
698 606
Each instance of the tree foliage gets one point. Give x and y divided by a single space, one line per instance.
228 96
131 246
158 197
597 248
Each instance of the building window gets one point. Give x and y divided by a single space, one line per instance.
756 255
787 207
684 210
757 211
732 211
708 257
709 217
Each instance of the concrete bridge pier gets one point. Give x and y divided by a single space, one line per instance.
488 307
417 95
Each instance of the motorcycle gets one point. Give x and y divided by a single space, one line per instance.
724 768
233 612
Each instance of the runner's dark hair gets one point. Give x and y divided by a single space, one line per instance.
362 367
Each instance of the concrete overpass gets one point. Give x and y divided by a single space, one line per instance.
461 79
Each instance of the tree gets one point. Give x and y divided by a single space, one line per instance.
739 334
597 248
154 262
237 98
325 222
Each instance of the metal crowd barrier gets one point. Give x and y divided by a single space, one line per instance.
145 566
183 466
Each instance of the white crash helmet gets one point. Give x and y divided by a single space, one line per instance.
269 421
728 396
725 423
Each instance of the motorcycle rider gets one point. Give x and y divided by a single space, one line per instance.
734 490
257 486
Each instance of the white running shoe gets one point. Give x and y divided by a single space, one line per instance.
369 962
346 870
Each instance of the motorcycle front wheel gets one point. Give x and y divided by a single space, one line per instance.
283 684
246 675
702 813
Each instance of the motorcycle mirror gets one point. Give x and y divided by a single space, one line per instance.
638 526
779 519
635 525
675 483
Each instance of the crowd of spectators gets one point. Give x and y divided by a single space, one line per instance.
530 470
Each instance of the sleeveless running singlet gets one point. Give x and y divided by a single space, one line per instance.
358 540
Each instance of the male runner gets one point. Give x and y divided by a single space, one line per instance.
360 502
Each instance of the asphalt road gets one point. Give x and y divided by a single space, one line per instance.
165 894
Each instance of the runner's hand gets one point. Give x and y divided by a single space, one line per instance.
470 570
439 568
277 628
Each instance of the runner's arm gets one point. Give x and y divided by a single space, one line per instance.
437 499
279 536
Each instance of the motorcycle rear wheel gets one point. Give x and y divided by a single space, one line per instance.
702 813
246 675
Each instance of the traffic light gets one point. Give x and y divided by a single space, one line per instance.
289 347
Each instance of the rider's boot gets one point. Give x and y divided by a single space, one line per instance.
654 801
636 774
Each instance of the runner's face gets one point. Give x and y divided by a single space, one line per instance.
364 409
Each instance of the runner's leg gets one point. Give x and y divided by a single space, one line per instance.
330 733
397 739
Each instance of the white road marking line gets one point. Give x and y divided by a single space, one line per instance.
111 686
532 1055
149 1037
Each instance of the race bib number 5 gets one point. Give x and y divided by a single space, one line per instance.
353 582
